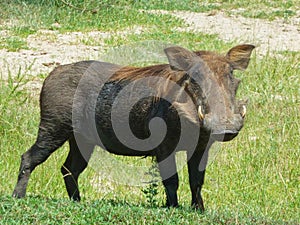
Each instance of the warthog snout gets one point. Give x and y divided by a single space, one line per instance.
223 129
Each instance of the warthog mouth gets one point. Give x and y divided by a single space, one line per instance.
224 135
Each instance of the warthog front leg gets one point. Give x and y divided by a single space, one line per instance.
196 168
168 172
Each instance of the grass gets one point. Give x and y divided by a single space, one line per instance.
12 44
264 9
28 18
23 18
186 39
255 179
37 210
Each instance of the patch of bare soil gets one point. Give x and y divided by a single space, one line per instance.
48 49
278 35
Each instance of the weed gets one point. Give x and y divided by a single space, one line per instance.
151 190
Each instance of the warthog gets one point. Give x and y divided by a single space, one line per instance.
192 96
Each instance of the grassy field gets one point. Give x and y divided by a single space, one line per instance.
255 179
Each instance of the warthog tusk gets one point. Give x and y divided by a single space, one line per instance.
200 114
243 113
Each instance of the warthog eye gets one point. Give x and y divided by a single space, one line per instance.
236 82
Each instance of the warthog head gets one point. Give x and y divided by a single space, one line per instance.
210 82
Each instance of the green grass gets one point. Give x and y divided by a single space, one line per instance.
12 44
38 210
255 179
186 39
23 18
264 9
29 18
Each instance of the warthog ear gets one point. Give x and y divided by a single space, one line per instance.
180 58
239 56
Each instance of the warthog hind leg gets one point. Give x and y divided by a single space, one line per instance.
74 165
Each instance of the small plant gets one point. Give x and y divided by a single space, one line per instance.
151 190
